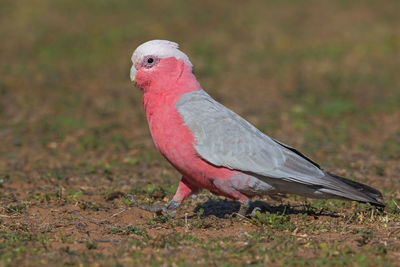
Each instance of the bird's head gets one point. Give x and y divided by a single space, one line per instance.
159 65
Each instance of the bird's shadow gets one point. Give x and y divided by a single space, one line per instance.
222 208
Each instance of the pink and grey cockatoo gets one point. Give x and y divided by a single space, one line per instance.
216 149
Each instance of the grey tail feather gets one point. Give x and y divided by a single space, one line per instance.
371 193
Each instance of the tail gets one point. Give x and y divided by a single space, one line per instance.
355 191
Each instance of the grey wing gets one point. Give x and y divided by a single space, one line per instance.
223 138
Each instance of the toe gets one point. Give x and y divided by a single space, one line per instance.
172 205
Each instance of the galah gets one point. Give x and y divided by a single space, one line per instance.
216 149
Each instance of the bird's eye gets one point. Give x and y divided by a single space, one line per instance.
150 61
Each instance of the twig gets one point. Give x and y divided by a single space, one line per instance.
118 213
394 232
186 223
396 204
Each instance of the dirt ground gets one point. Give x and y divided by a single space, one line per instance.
75 147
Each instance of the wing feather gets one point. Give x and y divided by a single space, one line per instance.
225 139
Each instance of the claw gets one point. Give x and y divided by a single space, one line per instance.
170 213
254 211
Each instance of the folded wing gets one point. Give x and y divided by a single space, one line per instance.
225 139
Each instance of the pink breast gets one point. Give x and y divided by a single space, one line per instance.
176 142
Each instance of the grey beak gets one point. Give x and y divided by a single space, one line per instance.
133 73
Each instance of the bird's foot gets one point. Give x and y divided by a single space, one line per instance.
172 205
254 211
157 208
170 208
245 207
260 207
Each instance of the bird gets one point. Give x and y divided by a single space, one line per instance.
214 148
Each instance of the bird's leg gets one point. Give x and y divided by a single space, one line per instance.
184 190
244 207
227 188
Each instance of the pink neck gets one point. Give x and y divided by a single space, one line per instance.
174 77
186 81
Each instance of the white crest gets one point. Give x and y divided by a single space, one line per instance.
160 49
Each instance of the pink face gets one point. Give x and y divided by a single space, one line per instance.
155 74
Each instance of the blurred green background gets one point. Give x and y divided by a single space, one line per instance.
64 64
322 76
